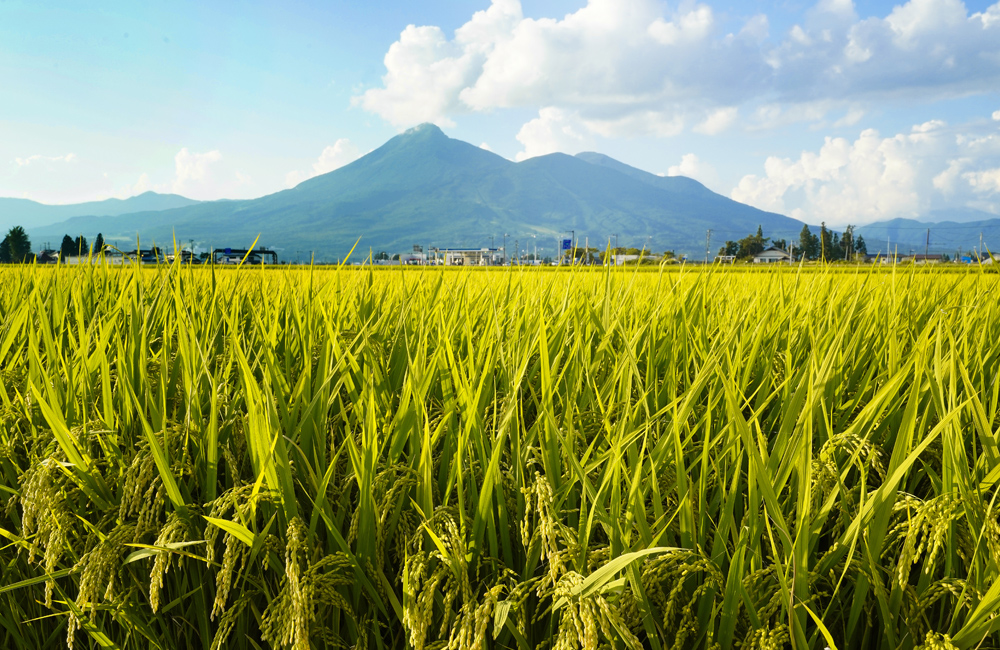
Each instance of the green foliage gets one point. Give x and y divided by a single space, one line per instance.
68 247
809 245
15 248
498 458
748 247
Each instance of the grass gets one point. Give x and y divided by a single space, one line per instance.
499 459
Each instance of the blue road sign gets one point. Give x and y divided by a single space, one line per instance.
567 244
228 251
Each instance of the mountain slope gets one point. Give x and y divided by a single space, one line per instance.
423 187
31 214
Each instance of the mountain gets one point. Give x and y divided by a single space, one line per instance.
422 187
957 215
950 237
30 214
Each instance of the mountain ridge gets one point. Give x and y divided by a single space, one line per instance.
33 214
423 187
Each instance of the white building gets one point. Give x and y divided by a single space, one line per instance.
470 256
771 255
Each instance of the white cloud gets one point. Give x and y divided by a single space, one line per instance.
984 182
693 167
996 116
553 130
143 184
627 67
485 147
621 65
193 169
852 117
875 178
335 156
425 72
34 160
207 177
718 121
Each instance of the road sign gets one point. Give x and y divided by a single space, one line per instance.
228 251
567 244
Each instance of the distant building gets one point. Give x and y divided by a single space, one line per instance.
771 255
469 256
48 256
881 258
932 258
725 259
620 260
408 259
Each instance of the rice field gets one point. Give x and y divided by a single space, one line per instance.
476 459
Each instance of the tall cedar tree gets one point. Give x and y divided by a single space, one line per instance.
67 248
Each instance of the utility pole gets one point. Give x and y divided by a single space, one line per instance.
927 244
505 249
980 245
708 243
572 243
517 251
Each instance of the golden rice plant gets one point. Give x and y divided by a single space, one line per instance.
499 458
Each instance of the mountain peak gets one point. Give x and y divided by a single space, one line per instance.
426 129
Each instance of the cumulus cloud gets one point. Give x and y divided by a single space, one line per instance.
693 167
996 116
622 65
207 177
718 121
553 130
335 156
193 170
984 182
627 67
873 177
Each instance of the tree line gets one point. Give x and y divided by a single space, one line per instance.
71 247
828 246
15 248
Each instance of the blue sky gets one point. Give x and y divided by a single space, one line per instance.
828 111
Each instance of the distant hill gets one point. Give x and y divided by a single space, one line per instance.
957 215
423 187
945 236
31 214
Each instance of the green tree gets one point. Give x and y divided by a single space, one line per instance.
848 243
99 244
860 248
15 247
809 244
826 250
730 248
80 246
752 245
67 248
